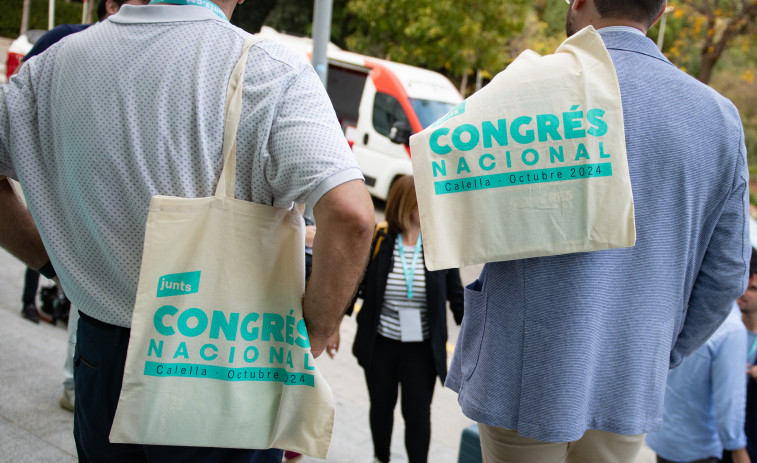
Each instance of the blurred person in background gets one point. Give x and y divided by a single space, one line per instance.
402 326
704 401
748 306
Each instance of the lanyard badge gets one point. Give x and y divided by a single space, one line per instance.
409 271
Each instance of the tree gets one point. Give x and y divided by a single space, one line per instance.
704 29
251 16
445 35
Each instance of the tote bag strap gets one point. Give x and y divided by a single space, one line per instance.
232 114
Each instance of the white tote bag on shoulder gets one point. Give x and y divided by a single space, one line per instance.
534 164
219 354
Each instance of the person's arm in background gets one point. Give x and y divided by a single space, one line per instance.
340 251
729 393
18 234
723 275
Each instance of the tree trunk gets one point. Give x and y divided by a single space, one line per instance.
25 17
464 83
708 62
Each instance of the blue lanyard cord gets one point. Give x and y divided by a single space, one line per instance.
206 3
409 271
752 350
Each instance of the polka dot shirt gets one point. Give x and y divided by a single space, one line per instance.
133 107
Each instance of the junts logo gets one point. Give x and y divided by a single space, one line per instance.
176 284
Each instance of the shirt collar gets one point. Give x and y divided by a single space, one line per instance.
136 14
623 29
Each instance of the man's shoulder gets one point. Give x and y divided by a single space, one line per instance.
53 36
639 62
281 54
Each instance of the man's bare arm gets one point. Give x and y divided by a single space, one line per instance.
345 220
18 234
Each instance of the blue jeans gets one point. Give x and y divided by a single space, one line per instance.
98 373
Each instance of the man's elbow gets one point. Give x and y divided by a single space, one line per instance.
347 208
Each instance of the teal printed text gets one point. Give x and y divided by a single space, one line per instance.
555 174
190 370
250 326
522 130
176 284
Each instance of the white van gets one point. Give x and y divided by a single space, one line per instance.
379 104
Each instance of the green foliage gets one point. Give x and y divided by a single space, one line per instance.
700 32
10 15
445 35
293 17
742 91
251 15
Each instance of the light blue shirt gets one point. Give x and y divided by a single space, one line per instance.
705 399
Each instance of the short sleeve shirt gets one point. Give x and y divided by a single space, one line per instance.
133 107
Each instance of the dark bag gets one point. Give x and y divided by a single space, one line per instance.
54 303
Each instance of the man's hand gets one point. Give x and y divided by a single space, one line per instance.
340 251
18 234
332 347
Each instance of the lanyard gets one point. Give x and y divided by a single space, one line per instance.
752 350
206 3
409 271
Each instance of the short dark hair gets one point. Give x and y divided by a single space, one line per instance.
753 263
643 11
400 204
102 12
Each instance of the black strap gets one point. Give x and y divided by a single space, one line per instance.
48 271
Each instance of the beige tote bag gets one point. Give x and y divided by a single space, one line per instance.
219 354
534 164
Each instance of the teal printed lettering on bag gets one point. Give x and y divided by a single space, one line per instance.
176 284
191 370
555 174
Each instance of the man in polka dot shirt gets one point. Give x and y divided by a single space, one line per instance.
131 108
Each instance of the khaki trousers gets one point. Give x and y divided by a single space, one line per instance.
500 445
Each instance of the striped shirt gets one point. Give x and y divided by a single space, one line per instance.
395 296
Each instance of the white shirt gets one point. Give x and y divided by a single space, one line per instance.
133 107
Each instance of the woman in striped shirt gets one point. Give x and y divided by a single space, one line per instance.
402 326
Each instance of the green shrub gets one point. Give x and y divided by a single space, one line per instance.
10 15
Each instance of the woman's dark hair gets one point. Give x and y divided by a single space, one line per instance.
400 204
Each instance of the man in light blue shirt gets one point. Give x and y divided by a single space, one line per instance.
704 401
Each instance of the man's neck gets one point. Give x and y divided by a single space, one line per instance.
600 23
750 321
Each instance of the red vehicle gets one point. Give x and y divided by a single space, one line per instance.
19 48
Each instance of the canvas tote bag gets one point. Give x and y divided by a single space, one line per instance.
534 164
219 354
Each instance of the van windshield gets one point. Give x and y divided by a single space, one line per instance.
429 111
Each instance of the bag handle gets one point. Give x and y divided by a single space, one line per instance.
232 113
